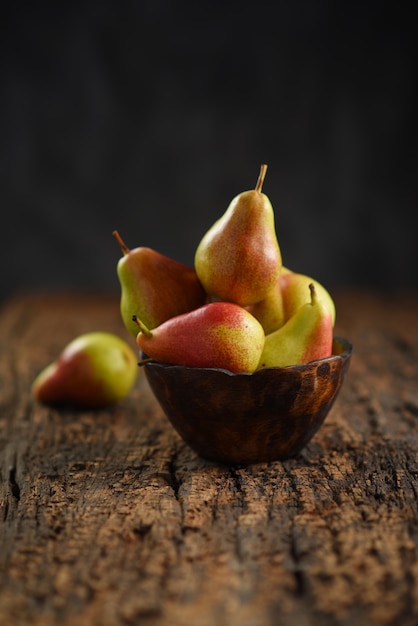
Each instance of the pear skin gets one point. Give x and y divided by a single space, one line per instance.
305 337
94 370
282 302
294 288
270 310
216 335
239 259
155 287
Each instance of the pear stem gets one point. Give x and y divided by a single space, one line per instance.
120 241
142 362
261 177
144 329
313 293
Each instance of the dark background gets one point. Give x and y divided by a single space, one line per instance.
149 117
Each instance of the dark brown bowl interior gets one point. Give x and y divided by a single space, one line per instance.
249 418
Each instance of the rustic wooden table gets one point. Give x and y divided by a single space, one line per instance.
109 519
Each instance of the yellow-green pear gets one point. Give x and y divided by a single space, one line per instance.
94 370
290 292
239 259
306 336
155 287
270 310
294 288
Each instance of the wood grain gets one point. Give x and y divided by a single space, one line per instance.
107 518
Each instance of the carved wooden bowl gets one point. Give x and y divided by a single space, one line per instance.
249 418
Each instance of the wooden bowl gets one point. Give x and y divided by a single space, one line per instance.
249 418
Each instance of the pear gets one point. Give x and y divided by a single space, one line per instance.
94 370
270 310
155 287
306 336
239 259
216 335
294 288
290 292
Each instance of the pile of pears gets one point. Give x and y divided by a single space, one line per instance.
238 309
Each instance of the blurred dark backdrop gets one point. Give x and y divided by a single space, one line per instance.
148 117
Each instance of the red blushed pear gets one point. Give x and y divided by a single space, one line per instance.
155 287
307 336
217 335
239 259
94 370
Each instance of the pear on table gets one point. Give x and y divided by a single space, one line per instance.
155 287
305 337
216 335
94 370
239 259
